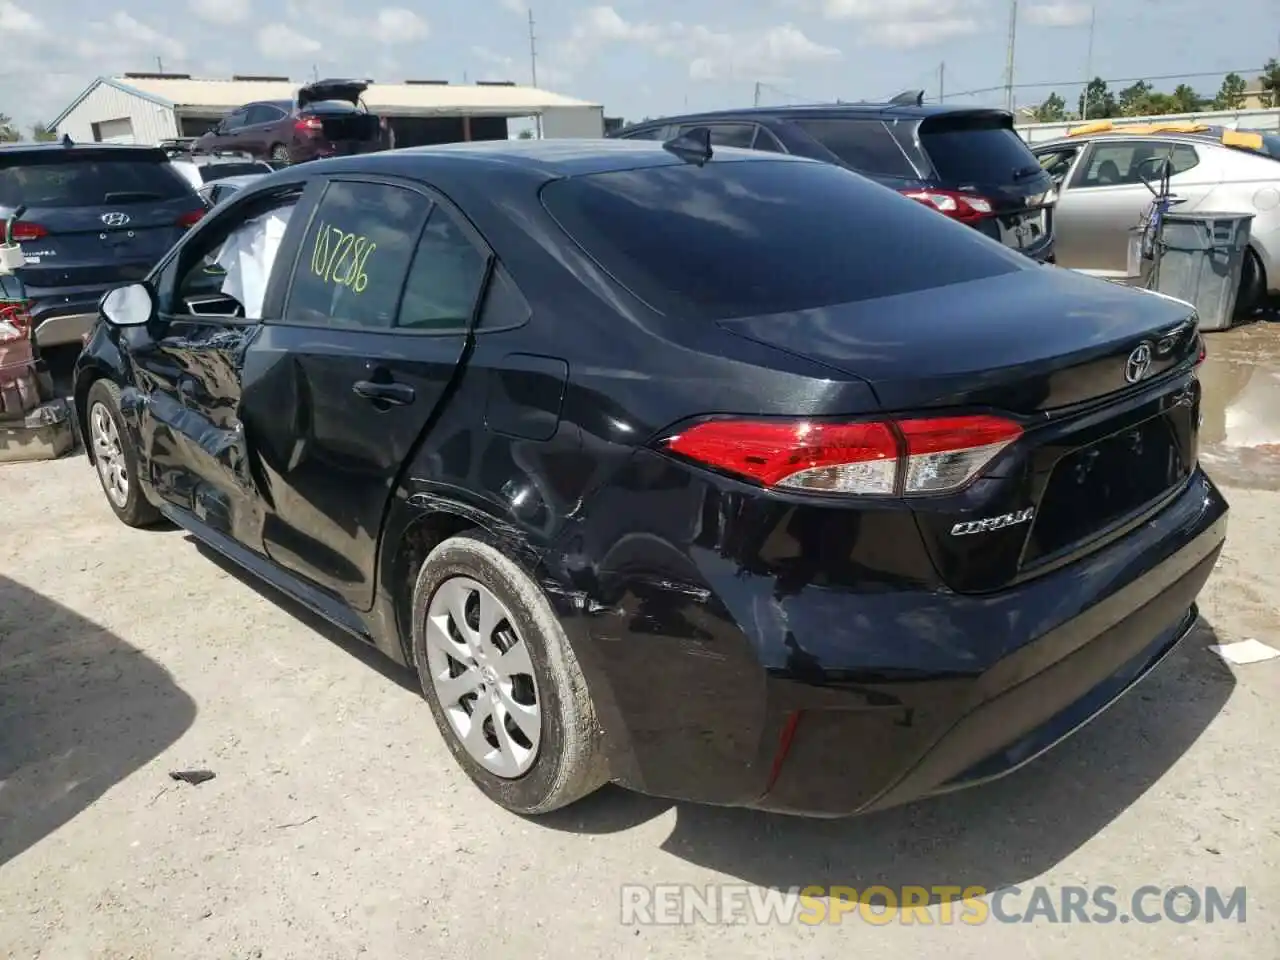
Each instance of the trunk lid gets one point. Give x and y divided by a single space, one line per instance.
1100 377
349 91
99 216
978 151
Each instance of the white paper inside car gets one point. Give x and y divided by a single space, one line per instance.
248 255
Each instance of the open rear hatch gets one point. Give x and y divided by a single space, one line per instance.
1094 381
344 121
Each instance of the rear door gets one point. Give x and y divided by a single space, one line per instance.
339 390
979 152
95 215
1106 196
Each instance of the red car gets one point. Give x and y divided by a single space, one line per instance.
325 119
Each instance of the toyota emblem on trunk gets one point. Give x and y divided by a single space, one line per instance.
115 219
1139 362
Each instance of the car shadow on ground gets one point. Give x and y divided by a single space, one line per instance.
80 710
991 836
367 654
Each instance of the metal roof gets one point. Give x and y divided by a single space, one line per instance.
425 99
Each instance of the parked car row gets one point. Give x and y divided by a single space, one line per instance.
722 474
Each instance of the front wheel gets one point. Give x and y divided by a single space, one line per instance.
502 681
115 458
280 154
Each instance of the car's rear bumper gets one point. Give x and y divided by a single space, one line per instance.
64 315
828 703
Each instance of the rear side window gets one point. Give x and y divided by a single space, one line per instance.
742 238
653 133
865 145
216 171
355 256
69 181
445 279
982 149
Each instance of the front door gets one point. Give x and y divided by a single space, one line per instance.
339 391
213 293
1106 197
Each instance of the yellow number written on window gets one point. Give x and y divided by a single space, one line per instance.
339 257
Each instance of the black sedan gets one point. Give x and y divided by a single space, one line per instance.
732 477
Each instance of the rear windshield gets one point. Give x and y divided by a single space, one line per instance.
217 171
757 237
53 180
975 149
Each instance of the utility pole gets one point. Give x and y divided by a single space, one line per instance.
1088 64
159 65
533 67
942 82
757 103
1008 70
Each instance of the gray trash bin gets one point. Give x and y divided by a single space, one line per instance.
1202 260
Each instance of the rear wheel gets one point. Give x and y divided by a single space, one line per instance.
280 154
115 458
1253 285
502 681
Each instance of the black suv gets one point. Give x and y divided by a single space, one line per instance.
967 163
97 215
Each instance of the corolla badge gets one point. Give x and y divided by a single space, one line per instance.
988 524
115 219
1138 363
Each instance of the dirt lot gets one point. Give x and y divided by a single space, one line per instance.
338 826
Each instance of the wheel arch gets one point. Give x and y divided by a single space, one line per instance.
85 379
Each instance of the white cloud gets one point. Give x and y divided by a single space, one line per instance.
14 20
1059 14
123 41
516 6
398 25
221 11
281 41
907 35
903 24
711 54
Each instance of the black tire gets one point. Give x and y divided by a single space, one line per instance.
1253 286
569 763
133 509
279 154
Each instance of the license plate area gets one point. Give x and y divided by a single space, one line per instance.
1101 485
1022 230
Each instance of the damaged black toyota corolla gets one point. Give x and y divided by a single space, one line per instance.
735 478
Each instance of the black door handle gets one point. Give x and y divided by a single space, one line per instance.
398 394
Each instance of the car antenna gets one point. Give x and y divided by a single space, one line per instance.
692 146
67 141
909 98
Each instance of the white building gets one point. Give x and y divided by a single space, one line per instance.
149 107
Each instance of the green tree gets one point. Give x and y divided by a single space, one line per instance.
9 133
1097 102
1052 110
1231 93
43 134
1186 100
525 134
1270 80
1134 100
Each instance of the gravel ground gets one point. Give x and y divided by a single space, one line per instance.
338 825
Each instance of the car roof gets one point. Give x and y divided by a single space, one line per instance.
896 110
550 158
60 146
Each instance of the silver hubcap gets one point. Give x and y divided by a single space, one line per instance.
109 455
483 677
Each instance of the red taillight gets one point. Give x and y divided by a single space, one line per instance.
1204 352
965 207
309 125
190 219
24 232
899 457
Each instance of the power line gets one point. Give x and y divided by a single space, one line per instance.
1108 80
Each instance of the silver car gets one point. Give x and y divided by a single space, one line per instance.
1100 170
214 192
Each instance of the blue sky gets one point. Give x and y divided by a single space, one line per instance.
637 58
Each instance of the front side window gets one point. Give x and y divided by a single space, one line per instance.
355 256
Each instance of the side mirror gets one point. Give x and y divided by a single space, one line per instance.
130 306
